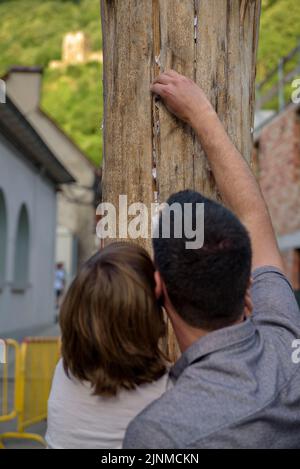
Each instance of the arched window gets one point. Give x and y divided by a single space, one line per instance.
22 247
3 238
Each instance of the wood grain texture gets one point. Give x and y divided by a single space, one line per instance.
127 50
175 163
214 42
227 36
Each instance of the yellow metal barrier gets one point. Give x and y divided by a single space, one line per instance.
8 409
8 386
34 365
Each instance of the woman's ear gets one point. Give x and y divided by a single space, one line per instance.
158 285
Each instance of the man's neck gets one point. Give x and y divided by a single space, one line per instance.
185 334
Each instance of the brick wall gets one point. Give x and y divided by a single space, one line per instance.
291 259
277 165
278 161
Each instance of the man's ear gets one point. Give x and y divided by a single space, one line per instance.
161 292
158 285
248 301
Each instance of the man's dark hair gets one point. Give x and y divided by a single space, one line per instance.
206 286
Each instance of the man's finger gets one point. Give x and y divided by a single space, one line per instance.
172 73
158 89
163 79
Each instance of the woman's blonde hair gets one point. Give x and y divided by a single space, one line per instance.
111 322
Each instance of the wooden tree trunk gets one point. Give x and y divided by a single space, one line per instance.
213 42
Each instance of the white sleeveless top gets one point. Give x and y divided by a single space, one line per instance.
77 419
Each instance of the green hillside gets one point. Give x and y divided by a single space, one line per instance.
74 98
31 34
279 33
32 30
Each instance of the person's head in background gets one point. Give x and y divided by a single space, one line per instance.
112 323
203 289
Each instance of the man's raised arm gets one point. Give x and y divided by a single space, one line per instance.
234 178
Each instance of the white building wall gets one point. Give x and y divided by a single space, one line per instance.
21 183
66 252
24 88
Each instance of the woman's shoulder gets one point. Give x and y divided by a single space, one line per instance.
148 392
64 384
66 387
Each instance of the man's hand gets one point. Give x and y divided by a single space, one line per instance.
182 97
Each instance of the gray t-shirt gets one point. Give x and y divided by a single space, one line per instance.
238 387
